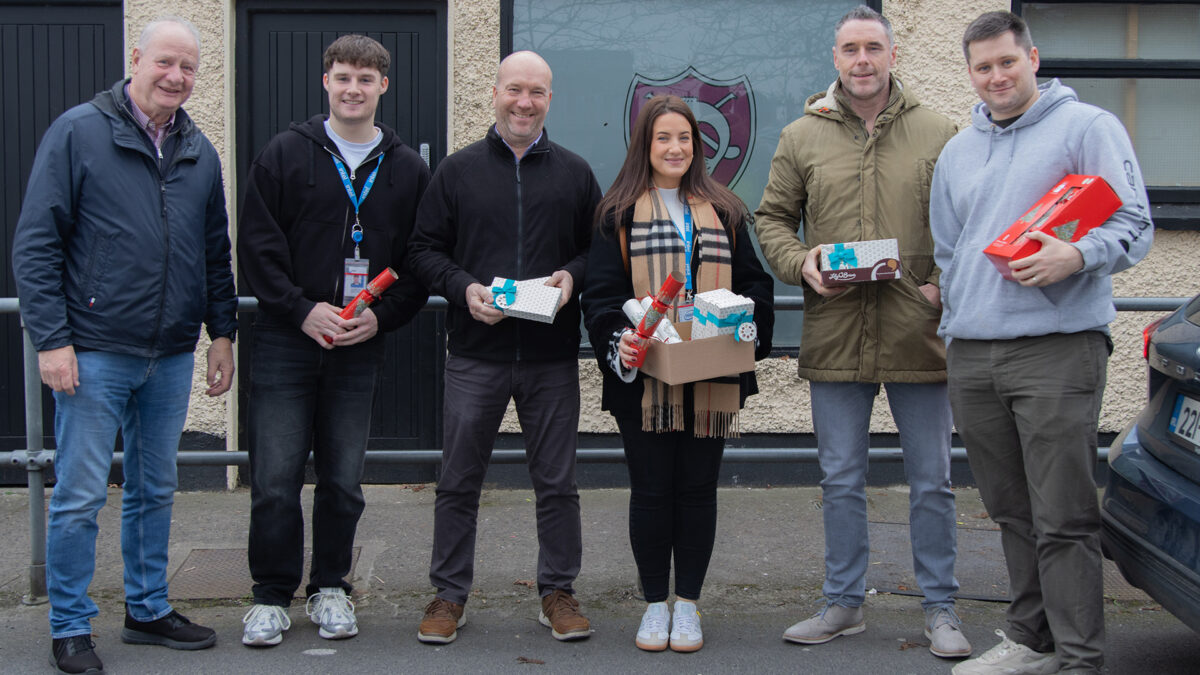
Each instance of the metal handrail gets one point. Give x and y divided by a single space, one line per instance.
36 458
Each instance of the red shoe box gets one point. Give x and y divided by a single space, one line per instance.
1069 211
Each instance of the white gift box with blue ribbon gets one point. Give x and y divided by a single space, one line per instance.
529 299
722 312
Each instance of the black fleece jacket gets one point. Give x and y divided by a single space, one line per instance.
609 286
487 215
294 232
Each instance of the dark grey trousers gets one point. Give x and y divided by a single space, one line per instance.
476 396
1027 411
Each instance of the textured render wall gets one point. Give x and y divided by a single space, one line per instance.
475 44
210 106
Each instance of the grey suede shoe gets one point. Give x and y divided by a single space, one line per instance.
832 621
942 627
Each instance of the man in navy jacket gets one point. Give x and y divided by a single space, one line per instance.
121 251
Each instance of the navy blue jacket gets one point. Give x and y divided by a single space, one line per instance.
114 252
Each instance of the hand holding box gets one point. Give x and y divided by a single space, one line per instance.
855 262
529 299
1068 211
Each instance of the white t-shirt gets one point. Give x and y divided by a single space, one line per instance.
353 153
674 206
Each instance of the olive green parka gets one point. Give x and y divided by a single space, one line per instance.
846 185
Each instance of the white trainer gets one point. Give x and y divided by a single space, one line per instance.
332 610
654 632
686 635
265 625
1008 658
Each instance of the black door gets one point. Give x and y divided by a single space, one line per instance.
279 48
53 55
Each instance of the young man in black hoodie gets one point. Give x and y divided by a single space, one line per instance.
329 205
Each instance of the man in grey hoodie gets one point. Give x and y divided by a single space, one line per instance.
1027 358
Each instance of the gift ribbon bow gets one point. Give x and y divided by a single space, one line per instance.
842 257
508 290
731 320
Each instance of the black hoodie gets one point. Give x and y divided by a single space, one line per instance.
294 231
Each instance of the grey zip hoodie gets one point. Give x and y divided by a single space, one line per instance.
987 177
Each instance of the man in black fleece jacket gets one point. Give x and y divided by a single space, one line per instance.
329 205
513 205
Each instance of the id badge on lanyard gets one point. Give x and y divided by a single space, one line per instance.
355 278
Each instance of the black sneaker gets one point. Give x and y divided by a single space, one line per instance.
173 630
75 654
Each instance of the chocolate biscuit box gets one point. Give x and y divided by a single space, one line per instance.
856 262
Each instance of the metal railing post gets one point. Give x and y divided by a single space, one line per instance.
35 463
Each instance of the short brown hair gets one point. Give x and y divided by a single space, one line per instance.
995 24
359 51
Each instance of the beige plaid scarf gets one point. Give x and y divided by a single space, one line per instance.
655 250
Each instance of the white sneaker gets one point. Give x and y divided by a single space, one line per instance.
685 629
1008 658
655 631
332 610
265 625
942 628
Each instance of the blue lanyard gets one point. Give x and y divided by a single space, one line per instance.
687 246
356 232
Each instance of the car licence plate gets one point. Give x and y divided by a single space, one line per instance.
1185 420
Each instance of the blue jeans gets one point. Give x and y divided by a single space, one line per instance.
302 398
841 418
147 399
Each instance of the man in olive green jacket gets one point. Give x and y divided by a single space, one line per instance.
858 167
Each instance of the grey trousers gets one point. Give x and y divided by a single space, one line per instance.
476 395
1027 411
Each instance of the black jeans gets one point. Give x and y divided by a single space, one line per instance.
304 397
672 505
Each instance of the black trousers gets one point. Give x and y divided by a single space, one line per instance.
304 397
672 505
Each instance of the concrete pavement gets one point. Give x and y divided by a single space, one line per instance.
765 574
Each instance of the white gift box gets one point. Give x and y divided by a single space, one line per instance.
530 299
720 312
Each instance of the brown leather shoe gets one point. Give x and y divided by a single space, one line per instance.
441 622
560 611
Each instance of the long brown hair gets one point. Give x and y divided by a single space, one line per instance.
634 177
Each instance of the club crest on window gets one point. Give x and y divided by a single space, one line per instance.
724 111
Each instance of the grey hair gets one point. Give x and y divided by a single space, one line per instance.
864 13
994 24
154 26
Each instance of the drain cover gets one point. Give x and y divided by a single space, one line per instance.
214 573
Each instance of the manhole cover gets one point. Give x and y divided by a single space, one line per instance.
213 573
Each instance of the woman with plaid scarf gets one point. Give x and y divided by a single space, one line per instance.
664 213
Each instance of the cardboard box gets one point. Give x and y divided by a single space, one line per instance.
695 360
720 312
532 299
1068 211
856 262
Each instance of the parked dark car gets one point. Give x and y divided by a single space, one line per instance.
1151 506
